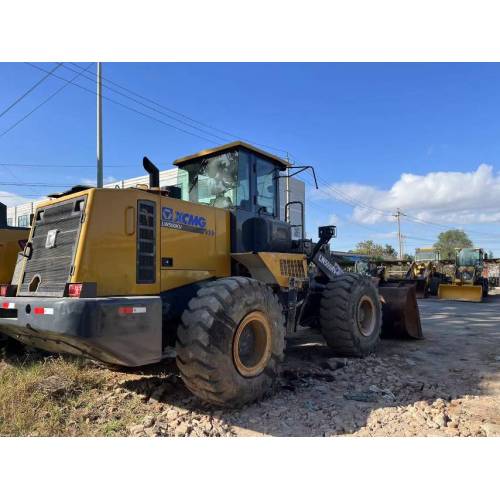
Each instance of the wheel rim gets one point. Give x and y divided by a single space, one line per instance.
366 316
252 344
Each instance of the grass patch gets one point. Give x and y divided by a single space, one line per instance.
43 397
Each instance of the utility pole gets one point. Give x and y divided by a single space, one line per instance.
99 128
287 191
398 215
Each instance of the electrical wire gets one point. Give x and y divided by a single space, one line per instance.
22 195
128 107
203 124
42 103
358 203
33 87
151 107
49 165
34 184
338 194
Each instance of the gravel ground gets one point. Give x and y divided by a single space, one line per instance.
447 384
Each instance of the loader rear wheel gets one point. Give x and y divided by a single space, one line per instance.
351 315
230 341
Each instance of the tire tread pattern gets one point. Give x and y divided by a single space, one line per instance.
204 341
338 320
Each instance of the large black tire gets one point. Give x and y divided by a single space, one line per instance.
212 338
351 315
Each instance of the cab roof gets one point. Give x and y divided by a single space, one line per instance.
282 164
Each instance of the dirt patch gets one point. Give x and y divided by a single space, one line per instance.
447 384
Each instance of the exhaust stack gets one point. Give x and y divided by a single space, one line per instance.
152 170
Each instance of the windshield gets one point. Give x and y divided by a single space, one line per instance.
361 267
213 181
430 255
469 257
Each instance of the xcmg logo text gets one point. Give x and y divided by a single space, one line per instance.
170 215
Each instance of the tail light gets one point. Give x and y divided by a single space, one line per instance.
3 290
75 289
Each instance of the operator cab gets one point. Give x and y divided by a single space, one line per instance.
426 255
470 257
245 180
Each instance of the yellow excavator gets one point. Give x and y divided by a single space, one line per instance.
124 275
468 283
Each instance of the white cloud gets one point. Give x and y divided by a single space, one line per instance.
335 220
12 199
443 197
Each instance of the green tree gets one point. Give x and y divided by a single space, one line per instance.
449 240
369 247
389 251
409 257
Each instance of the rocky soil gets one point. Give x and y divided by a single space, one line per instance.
445 385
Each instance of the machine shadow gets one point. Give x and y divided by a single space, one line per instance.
319 395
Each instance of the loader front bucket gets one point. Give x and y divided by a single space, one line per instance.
400 314
421 289
466 293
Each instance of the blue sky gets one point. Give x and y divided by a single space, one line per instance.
361 125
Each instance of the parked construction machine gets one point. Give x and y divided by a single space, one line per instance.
12 242
468 283
122 275
425 272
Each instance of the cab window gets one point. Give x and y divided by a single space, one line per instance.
243 190
266 186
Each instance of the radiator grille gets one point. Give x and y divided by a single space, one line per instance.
292 268
52 266
146 242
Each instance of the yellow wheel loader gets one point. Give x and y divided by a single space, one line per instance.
123 275
468 283
424 272
12 242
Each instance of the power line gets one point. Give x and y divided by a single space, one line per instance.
359 203
149 107
354 202
33 87
351 222
49 165
35 184
42 103
343 198
203 124
22 195
128 107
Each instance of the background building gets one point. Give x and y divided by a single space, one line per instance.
19 215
